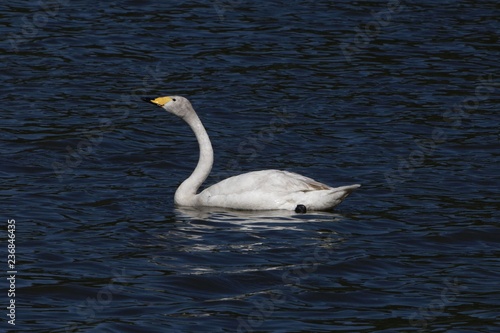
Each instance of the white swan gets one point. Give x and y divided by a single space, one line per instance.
257 190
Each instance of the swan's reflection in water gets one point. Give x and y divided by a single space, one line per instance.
252 220
206 241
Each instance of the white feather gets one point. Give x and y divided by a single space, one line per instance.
257 190
272 189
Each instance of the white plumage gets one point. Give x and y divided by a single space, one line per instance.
272 189
257 190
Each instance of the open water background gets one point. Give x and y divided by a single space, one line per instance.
400 96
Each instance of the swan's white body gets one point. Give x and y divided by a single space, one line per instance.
272 189
257 190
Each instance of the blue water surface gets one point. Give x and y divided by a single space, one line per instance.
399 96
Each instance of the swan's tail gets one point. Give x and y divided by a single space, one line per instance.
347 189
338 194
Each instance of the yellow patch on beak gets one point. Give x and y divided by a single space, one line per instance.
160 101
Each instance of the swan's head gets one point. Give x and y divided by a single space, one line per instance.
178 105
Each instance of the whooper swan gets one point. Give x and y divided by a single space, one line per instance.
257 190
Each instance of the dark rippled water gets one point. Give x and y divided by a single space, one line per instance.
401 97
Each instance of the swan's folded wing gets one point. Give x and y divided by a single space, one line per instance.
267 189
267 181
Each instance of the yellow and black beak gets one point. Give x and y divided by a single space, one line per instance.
160 101
148 99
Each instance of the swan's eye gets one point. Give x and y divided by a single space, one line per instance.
174 99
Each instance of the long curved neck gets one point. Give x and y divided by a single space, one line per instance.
186 193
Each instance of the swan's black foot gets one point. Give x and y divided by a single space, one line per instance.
300 209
